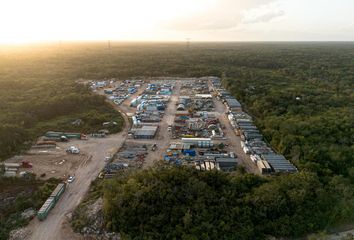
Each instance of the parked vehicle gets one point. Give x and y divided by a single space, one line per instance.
26 164
71 179
73 150
154 147
98 135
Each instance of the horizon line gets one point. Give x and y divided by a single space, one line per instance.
170 41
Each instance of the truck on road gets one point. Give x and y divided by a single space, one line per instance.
51 201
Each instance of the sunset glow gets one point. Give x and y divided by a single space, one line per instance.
201 20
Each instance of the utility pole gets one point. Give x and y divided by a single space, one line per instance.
188 43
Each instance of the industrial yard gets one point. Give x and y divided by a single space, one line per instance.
183 121
48 162
269 139
192 122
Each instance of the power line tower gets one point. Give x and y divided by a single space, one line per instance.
188 42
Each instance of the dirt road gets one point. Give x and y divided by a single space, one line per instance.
87 172
233 140
163 135
98 149
56 224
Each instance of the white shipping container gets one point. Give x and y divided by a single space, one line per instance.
246 150
11 169
253 158
14 165
10 174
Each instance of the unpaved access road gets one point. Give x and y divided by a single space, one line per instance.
56 224
51 228
233 140
163 137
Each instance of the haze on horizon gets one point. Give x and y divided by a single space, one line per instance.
25 21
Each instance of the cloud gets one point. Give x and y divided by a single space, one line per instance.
265 17
224 14
262 14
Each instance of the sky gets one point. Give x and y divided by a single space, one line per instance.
24 21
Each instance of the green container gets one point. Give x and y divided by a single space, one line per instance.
45 209
51 201
73 135
58 191
52 134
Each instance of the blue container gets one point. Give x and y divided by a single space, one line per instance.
189 152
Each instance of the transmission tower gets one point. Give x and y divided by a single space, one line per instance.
188 41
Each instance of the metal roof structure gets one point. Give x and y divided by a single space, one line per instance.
146 131
250 135
233 103
279 163
226 163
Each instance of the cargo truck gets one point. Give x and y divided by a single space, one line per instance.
44 210
56 135
58 191
51 201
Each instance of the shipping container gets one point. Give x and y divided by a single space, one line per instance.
51 134
12 165
189 152
51 201
264 167
46 143
45 209
10 174
58 191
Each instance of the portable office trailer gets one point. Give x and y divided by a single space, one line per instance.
198 142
